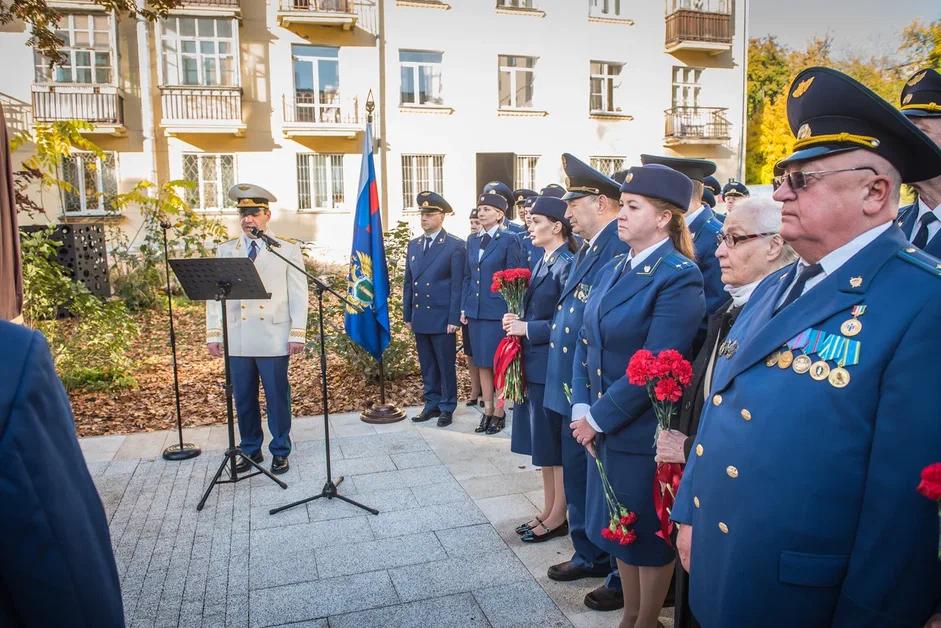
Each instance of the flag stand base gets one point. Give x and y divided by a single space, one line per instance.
383 413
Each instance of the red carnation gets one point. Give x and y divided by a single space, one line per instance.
628 538
638 369
682 371
629 519
607 534
668 390
930 485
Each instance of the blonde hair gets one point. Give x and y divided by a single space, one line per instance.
677 229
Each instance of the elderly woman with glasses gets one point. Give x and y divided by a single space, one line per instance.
750 248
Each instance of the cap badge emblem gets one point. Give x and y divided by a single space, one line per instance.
856 282
804 132
916 79
802 87
629 177
424 204
907 99
243 187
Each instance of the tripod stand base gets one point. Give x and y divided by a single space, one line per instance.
184 452
330 492
385 413
229 460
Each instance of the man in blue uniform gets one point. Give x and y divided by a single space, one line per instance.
57 566
799 505
592 211
431 306
711 194
523 200
733 192
921 103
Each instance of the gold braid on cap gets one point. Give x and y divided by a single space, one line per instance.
250 202
847 138
587 190
931 106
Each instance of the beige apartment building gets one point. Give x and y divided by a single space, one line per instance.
274 92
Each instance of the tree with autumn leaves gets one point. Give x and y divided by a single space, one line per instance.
772 66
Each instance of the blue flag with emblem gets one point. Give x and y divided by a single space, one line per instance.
368 279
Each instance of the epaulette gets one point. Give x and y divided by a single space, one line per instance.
290 240
713 226
914 255
677 261
904 212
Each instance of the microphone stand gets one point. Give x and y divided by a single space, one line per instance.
329 490
181 450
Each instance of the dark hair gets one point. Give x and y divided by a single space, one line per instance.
570 240
679 232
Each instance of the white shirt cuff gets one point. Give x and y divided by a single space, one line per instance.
526 329
579 410
592 423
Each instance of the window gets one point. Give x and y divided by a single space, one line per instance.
93 180
319 181
316 83
525 172
607 165
686 86
605 82
199 51
212 175
421 77
86 56
420 173
516 4
606 8
516 81
709 6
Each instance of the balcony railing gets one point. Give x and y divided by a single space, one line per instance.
696 125
211 4
201 103
95 104
318 6
698 30
303 116
340 13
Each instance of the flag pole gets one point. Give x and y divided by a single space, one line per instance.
383 412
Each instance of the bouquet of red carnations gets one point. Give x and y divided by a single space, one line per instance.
665 376
620 519
507 360
930 487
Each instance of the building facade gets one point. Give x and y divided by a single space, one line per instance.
274 92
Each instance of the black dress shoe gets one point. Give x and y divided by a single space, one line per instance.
484 424
279 465
471 403
522 528
497 424
244 465
426 415
570 570
531 536
604 599
445 419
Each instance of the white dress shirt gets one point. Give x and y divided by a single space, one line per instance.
492 231
689 217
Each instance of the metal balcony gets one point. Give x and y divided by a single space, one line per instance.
704 31
102 105
340 13
201 109
696 125
303 117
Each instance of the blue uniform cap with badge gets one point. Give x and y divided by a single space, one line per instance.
583 180
695 169
660 182
921 96
500 188
831 113
708 197
735 188
712 184
554 190
522 195
473 213
250 199
429 202
554 208
494 199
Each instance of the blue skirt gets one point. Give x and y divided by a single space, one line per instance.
546 429
521 441
485 335
631 476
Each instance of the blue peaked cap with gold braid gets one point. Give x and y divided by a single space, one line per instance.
921 96
830 113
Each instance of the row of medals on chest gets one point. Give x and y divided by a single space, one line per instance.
841 349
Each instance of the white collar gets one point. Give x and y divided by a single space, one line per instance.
924 209
491 232
831 262
741 294
433 236
637 258
691 216
595 237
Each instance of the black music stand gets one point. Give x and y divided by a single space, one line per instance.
221 279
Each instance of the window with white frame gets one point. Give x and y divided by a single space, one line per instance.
421 77
515 4
607 8
605 84
87 53
319 181
686 86
708 6
212 175
316 83
420 173
524 175
199 50
92 182
516 79
607 165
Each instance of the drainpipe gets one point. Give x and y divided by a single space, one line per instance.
146 93
383 116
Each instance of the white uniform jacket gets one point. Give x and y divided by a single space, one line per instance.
263 328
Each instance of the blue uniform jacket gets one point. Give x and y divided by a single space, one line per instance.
801 494
514 227
434 281
57 566
908 216
502 253
656 306
531 252
568 316
538 307
704 230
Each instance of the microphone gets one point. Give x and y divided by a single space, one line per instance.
267 239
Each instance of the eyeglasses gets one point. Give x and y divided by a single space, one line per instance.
731 240
798 180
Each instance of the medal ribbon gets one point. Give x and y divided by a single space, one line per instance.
815 338
832 347
858 310
849 356
799 341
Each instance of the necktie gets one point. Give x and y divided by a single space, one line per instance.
627 267
426 245
805 275
921 238
484 241
253 251
582 252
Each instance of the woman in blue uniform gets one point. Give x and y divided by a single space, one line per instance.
552 233
476 398
482 311
651 298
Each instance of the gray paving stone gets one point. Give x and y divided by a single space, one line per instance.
314 623
439 493
470 540
426 519
313 600
418 476
457 575
415 459
454 611
505 484
520 605
350 558
376 444
383 501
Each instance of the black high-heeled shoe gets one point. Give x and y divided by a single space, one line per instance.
497 423
523 528
471 402
484 424
531 536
